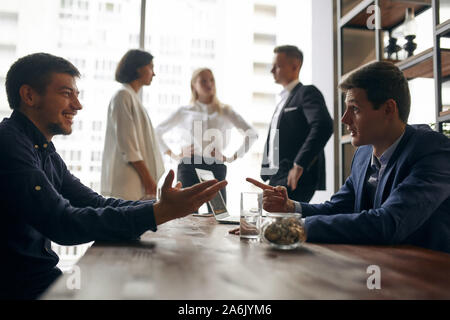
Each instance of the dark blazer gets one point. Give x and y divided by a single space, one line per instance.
304 128
411 204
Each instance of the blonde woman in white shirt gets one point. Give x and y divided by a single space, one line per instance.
207 120
132 163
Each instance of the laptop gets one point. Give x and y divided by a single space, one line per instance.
217 203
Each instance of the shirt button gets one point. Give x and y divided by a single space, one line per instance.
37 188
45 145
36 146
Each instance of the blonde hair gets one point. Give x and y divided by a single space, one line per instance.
216 104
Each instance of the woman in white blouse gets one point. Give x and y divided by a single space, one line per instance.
205 123
132 163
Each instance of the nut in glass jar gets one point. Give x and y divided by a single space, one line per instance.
283 230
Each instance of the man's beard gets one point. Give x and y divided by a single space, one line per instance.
55 129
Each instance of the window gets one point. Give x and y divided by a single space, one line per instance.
7 51
77 125
75 155
96 125
182 35
8 19
203 48
95 169
260 68
96 156
105 69
264 39
109 6
75 168
261 98
264 10
236 41
95 185
162 98
83 5
62 153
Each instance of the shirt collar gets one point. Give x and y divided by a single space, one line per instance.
205 107
202 105
37 138
289 87
384 159
131 90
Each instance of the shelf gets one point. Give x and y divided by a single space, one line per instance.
347 6
367 62
357 16
443 29
392 13
444 116
418 66
421 65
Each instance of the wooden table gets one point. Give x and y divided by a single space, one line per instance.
196 258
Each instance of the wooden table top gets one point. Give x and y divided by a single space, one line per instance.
196 258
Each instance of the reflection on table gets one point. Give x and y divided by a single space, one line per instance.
196 258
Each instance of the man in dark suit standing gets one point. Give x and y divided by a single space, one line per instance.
300 127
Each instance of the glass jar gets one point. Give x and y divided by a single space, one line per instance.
283 231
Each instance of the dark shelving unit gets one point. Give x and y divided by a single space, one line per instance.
352 17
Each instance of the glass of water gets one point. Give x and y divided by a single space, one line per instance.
251 209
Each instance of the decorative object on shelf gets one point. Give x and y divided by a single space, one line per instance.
392 48
410 46
409 32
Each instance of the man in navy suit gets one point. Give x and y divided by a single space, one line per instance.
300 128
398 191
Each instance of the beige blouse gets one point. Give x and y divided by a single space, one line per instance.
129 137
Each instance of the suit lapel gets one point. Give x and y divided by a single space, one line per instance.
382 184
288 101
390 167
362 177
291 95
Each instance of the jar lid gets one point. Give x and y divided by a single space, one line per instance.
284 215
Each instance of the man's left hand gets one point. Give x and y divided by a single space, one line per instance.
294 175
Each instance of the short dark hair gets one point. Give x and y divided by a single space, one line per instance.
35 70
382 81
290 51
129 64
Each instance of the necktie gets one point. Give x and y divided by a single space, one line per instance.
372 182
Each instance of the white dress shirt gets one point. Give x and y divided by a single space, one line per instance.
129 138
283 96
200 125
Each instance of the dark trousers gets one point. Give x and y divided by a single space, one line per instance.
188 177
304 191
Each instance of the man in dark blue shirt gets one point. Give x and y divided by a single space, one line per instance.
41 201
